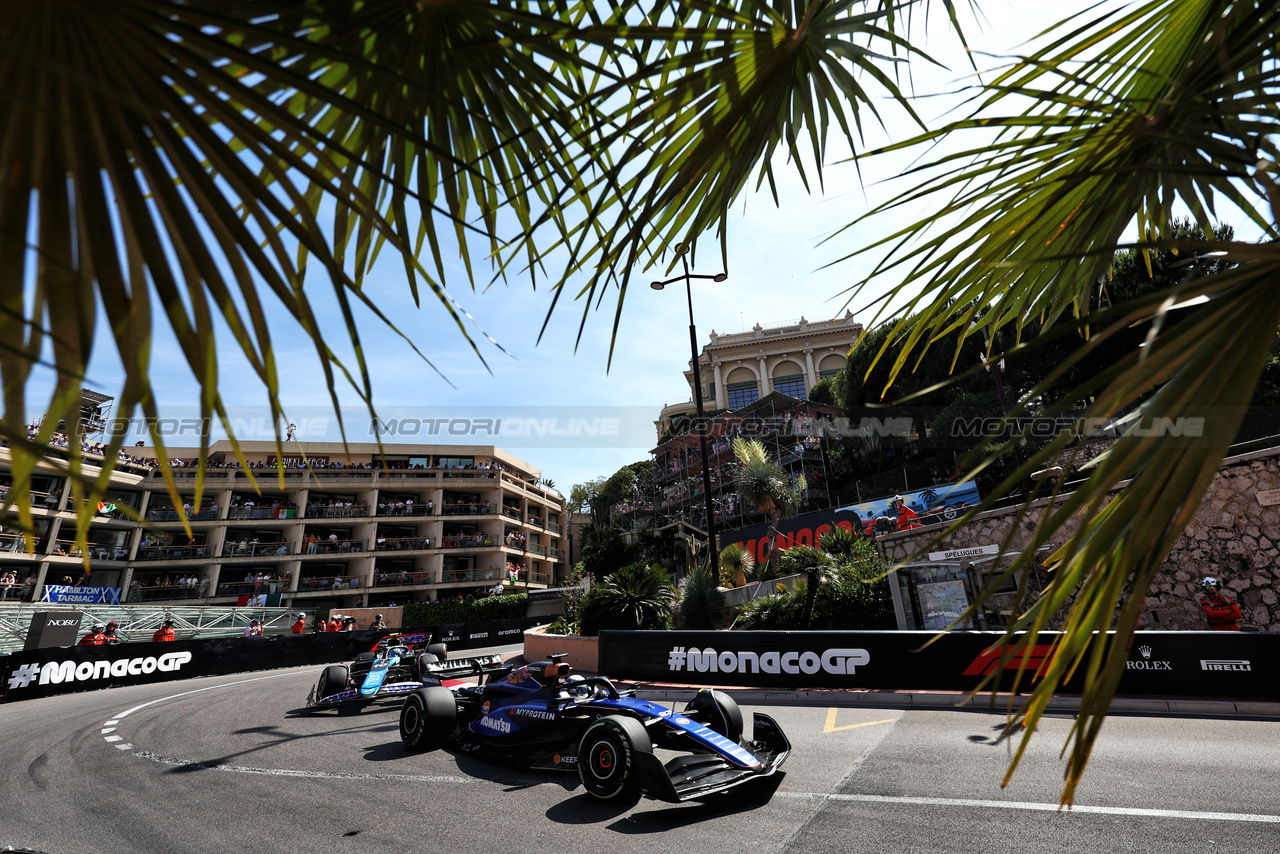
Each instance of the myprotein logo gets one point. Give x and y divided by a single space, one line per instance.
57 672
838 662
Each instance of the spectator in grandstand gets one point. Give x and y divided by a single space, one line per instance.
164 633
97 637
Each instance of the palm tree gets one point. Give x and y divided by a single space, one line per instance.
207 158
636 596
737 562
761 482
818 567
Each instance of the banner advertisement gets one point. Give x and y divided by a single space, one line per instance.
1242 665
932 506
68 595
48 671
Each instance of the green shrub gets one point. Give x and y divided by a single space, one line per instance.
510 607
638 596
701 604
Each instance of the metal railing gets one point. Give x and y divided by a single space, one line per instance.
254 548
262 513
171 515
406 509
187 552
511 512
334 583
456 576
535 549
331 547
323 511
401 578
467 541
401 543
466 510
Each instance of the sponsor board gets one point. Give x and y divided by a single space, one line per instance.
70 595
1170 664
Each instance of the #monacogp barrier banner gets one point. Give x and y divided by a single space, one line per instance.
1177 664
61 670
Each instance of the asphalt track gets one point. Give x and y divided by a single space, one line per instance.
234 763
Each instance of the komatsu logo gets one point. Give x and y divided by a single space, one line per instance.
56 672
840 662
496 724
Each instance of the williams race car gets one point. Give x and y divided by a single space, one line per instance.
393 667
541 717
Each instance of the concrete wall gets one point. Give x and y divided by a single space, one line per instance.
1233 537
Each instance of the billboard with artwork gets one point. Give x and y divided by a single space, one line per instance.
942 503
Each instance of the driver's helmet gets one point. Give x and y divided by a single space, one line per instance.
1209 581
520 675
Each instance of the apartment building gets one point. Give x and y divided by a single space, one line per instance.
360 526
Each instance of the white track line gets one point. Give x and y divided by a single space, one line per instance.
1078 809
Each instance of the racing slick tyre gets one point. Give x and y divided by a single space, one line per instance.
332 680
719 712
427 718
606 758
439 650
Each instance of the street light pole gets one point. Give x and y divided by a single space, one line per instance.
682 251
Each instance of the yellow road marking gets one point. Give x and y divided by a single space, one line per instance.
831 722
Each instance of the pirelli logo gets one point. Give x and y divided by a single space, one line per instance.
1237 664
1031 659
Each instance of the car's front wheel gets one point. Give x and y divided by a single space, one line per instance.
427 718
607 755
333 680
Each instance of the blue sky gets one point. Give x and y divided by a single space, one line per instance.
776 272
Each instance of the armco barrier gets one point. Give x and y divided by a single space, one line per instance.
1176 664
61 670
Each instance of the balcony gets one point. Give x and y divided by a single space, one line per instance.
534 548
331 547
401 578
209 514
468 541
490 575
466 510
406 509
347 511
331 584
262 513
254 548
187 552
383 544
512 513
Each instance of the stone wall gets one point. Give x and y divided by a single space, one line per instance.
1233 537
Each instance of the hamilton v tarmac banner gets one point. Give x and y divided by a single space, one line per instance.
1243 665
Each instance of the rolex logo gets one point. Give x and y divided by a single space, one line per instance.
1145 650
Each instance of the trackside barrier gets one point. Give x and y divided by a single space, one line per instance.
46 672
1243 665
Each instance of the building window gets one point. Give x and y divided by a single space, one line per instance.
740 394
456 462
823 375
792 386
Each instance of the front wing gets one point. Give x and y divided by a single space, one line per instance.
695 775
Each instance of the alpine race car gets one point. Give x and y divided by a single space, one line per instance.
541 717
392 667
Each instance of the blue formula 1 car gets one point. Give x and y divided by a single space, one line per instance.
541 717
393 667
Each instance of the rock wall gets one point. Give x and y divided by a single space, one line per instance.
1233 537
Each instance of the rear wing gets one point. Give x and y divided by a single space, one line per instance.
457 668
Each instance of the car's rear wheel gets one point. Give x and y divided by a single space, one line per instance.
333 680
607 755
718 711
427 718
